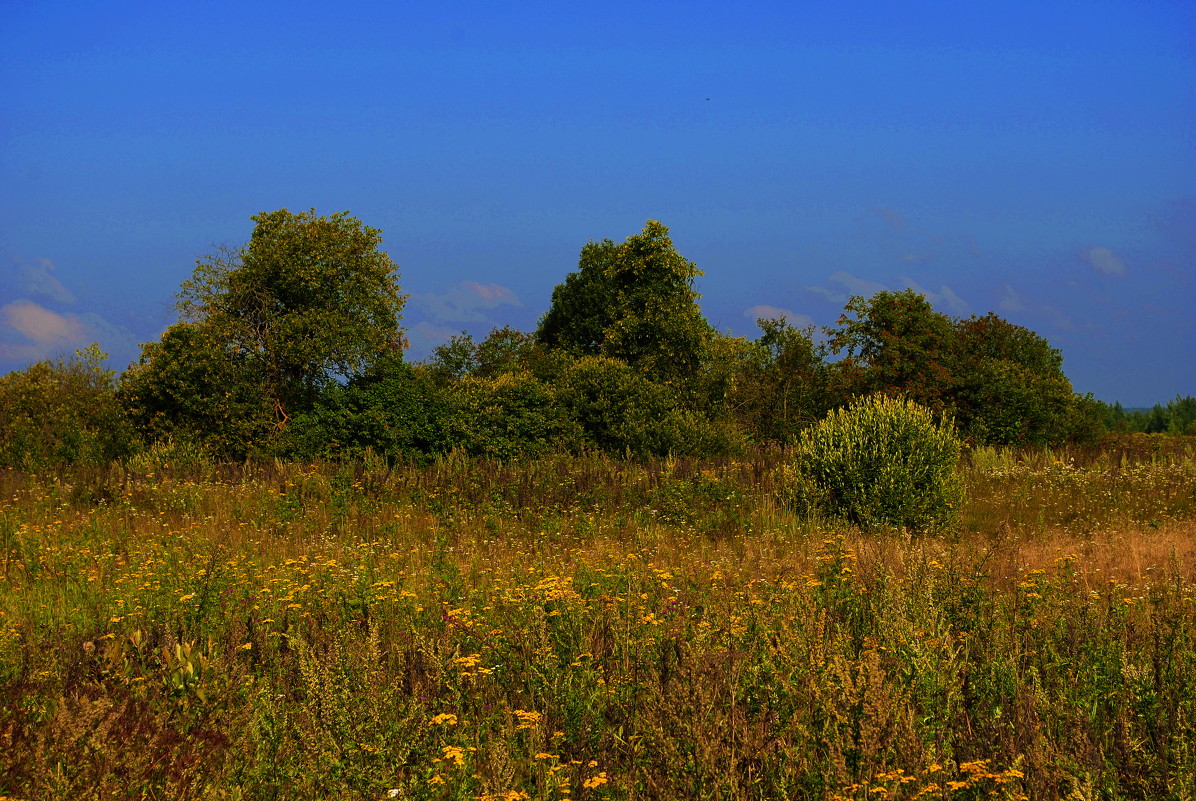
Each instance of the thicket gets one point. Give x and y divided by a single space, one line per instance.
291 346
63 412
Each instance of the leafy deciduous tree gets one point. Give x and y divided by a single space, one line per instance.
395 410
309 299
620 410
633 301
1010 388
897 344
783 387
192 385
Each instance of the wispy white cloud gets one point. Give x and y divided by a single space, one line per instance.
855 284
37 278
764 311
1104 261
1012 302
30 332
464 302
841 285
954 303
42 326
945 300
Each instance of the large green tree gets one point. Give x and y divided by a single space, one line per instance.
1003 383
1009 385
895 343
634 301
308 300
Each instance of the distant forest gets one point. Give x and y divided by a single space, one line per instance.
1176 417
292 347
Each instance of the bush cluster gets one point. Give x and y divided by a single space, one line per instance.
291 347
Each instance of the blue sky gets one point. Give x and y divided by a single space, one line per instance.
1037 159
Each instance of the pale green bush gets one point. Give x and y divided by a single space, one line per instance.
880 461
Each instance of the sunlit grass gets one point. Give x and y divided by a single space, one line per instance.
589 628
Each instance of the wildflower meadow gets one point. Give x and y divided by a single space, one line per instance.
581 627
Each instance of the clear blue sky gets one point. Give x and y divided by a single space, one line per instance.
1037 159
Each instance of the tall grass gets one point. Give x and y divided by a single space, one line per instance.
591 628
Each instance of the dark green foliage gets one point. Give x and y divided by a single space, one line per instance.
1003 383
1177 417
454 359
394 410
780 385
308 300
990 338
1086 420
1010 387
191 386
62 412
583 306
620 411
511 416
266 329
633 301
880 461
504 350
1002 403
291 345
895 343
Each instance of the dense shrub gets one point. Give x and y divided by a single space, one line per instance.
189 386
62 412
394 410
622 411
512 416
880 461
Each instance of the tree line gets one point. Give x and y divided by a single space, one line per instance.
292 346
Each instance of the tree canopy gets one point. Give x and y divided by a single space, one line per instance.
291 346
634 301
308 299
1003 383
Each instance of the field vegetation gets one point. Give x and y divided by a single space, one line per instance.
624 556
587 627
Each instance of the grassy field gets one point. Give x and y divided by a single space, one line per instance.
593 629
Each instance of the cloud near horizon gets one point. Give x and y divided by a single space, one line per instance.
1012 302
464 302
44 327
39 279
944 300
36 278
31 333
944 297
